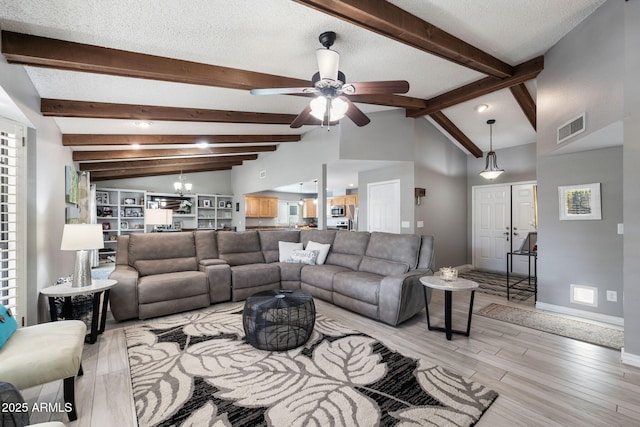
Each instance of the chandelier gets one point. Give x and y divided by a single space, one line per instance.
180 186
491 170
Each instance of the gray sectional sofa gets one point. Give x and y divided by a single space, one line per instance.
374 274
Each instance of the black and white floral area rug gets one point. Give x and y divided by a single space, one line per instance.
196 369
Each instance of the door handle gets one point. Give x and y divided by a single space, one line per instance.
506 233
515 233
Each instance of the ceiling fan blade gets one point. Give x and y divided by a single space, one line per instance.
283 91
372 88
355 114
302 118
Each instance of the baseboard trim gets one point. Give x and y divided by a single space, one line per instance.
612 320
630 359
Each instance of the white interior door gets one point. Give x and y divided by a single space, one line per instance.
492 226
383 206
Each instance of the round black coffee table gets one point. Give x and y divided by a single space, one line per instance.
278 320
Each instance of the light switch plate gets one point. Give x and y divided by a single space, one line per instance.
405 224
620 228
420 224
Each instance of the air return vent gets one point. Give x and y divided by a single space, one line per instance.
572 128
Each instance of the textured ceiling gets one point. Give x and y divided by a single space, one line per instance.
280 37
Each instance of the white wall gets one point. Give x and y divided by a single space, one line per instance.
46 159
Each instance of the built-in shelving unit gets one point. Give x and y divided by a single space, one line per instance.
183 207
214 211
119 211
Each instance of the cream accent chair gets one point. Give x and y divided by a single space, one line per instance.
42 353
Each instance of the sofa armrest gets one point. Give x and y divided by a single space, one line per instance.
211 261
124 295
219 279
401 296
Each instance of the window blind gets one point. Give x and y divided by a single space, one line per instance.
12 237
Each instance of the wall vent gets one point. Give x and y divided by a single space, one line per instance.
572 128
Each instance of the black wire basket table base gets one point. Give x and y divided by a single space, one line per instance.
278 320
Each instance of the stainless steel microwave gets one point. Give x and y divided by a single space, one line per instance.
337 211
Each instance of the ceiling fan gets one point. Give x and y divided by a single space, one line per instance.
329 85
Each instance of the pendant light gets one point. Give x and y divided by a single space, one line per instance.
301 201
181 186
491 170
315 200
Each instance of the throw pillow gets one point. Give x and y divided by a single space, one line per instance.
8 324
285 249
303 257
323 250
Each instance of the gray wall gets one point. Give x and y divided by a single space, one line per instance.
587 252
631 180
216 182
440 168
582 72
403 172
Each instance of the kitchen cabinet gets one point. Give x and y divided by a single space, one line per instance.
351 199
337 201
309 208
261 207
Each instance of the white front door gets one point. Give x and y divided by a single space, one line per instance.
383 206
523 222
492 226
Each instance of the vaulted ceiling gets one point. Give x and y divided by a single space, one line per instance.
104 68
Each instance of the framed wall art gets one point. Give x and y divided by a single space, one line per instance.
580 202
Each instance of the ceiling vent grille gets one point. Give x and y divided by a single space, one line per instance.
572 128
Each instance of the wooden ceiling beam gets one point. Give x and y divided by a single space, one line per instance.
176 162
456 133
84 156
143 172
393 22
525 71
45 52
78 140
104 110
526 102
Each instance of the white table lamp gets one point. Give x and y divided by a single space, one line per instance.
82 238
158 217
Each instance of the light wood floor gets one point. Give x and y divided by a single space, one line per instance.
542 379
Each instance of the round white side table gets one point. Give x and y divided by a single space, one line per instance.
436 282
97 288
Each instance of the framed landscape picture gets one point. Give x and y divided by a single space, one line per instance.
580 202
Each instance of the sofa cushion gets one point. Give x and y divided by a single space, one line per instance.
206 244
269 242
158 253
320 236
170 286
359 285
403 248
240 248
322 248
290 272
286 248
348 249
8 324
321 276
254 275
382 266
300 256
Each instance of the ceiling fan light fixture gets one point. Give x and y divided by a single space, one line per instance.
491 170
328 61
337 110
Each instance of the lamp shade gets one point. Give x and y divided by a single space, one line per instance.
159 216
77 237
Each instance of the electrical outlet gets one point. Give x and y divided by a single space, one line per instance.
612 296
